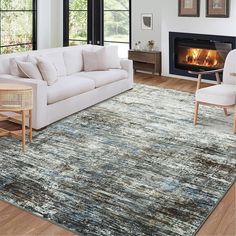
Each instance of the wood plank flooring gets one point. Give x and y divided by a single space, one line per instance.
222 222
16 222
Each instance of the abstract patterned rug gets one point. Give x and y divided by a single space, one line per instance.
132 165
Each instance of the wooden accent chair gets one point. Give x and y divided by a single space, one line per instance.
221 95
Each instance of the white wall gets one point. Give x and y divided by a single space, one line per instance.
148 6
57 23
50 23
166 16
44 24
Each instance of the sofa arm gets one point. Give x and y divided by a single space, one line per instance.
128 66
39 98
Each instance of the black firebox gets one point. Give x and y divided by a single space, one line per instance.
198 52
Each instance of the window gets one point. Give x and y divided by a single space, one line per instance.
18 25
101 22
77 22
117 24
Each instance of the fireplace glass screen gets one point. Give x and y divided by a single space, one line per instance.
197 54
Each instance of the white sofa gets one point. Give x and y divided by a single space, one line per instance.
75 89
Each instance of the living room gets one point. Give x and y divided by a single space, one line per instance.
134 138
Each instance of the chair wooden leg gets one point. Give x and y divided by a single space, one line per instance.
196 113
235 121
218 78
199 81
226 112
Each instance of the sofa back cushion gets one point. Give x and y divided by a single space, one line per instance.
95 61
64 62
73 60
4 65
56 58
113 60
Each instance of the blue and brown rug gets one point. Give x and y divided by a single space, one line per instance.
133 165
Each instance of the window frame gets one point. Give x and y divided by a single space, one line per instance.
34 27
94 37
130 25
66 23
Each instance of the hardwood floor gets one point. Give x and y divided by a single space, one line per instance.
222 222
168 83
16 222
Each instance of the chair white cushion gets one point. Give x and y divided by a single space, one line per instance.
95 61
57 60
73 60
230 68
47 71
221 95
30 69
68 87
102 78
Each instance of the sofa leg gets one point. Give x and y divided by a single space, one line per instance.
226 112
196 113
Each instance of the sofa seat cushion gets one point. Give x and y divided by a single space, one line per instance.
102 78
223 95
67 87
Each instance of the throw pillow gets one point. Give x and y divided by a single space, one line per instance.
95 61
113 60
47 70
14 68
30 69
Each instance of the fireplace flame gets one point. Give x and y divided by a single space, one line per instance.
203 57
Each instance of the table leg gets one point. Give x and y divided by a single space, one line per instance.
23 130
30 126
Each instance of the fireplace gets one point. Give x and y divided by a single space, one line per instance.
198 52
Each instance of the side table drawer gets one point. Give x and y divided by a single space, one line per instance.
142 57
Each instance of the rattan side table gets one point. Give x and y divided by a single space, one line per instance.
18 100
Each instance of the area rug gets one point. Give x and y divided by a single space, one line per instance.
132 165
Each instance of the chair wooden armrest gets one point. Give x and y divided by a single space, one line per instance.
201 73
